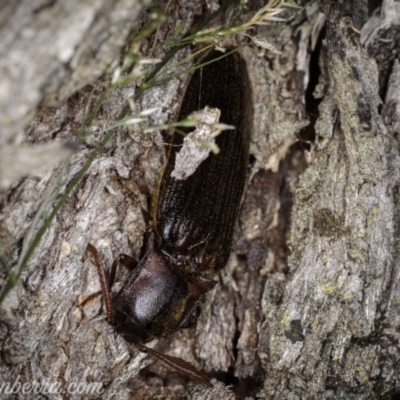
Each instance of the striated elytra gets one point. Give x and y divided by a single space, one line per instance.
192 220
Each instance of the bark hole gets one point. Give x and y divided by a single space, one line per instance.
373 5
307 134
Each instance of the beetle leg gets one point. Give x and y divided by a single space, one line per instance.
104 281
136 199
189 323
179 364
127 261
89 299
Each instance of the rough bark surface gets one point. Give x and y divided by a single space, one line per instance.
328 336
308 305
50 49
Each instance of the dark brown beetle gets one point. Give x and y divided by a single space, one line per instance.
192 219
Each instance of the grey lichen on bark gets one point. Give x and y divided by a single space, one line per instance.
329 336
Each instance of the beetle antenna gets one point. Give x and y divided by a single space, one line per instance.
104 282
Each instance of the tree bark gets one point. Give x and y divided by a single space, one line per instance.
307 307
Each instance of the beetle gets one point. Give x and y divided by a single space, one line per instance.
192 220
